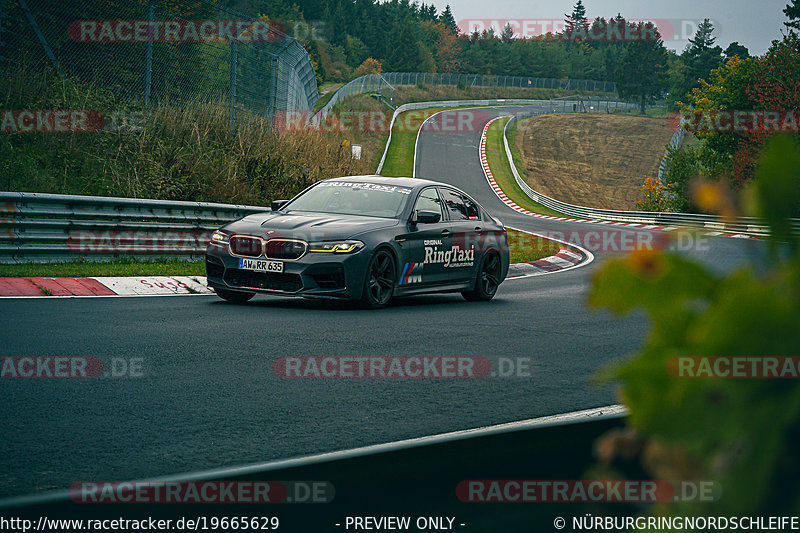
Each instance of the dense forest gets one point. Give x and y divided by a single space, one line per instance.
354 37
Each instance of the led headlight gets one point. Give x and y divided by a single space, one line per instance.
219 237
336 247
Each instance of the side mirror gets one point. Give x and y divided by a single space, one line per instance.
425 217
277 204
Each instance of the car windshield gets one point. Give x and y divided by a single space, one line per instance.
352 198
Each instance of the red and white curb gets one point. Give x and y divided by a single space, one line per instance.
569 256
510 203
103 286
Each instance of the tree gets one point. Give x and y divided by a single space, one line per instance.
404 54
703 39
448 20
700 56
792 12
369 66
355 50
775 87
736 49
726 90
643 73
508 34
577 25
448 52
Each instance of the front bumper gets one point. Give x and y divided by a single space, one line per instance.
315 275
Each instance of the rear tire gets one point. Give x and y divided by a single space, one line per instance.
487 281
380 280
235 297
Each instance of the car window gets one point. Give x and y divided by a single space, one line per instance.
429 201
352 198
473 213
454 205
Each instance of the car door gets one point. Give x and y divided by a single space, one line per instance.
421 266
466 228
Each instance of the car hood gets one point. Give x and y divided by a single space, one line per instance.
308 226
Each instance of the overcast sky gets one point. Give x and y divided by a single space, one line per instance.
753 23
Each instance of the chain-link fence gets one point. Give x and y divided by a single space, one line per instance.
386 82
162 50
488 80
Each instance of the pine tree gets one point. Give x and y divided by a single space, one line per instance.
736 49
703 39
448 20
508 34
643 73
577 23
792 12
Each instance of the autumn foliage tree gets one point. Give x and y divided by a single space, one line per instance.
369 66
775 87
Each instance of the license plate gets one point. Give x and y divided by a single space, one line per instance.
260 265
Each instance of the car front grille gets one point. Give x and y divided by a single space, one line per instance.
273 281
286 249
246 246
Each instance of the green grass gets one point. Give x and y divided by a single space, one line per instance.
324 99
400 157
524 247
501 170
117 267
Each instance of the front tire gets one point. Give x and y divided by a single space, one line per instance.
487 281
236 297
380 279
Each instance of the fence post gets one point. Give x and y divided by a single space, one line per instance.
40 36
148 54
2 43
232 84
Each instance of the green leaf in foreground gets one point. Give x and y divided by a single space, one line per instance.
741 433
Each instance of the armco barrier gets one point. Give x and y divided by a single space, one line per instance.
674 143
414 478
55 227
743 225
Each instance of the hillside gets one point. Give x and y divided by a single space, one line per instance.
595 160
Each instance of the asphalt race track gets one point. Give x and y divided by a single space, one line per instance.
209 398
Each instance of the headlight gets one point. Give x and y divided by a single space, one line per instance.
335 247
219 237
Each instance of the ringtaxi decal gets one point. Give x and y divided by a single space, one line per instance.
366 186
453 258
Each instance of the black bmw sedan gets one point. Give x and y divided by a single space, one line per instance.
365 238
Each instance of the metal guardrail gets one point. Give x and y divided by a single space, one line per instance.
674 144
553 106
745 225
56 227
